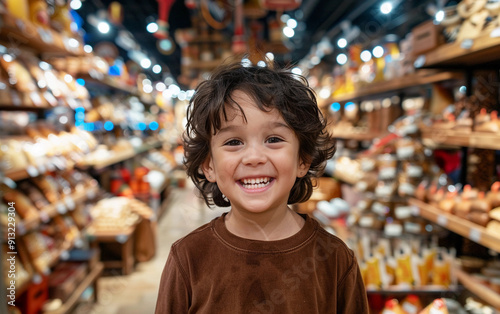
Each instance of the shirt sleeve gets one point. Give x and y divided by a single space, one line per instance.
173 294
352 296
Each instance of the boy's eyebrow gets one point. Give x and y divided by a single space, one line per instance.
233 127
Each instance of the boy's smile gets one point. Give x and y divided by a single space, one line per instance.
255 162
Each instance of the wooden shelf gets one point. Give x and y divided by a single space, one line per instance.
480 290
356 136
52 210
108 82
202 65
437 138
480 51
32 171
397 84
417 290
456 224
26 34
92 276
118 157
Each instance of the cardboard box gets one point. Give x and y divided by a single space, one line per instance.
426 36
65 278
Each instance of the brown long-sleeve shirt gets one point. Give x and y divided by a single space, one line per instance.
216 272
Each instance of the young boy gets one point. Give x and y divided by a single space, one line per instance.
254 140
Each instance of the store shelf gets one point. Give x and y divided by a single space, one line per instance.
439 137
24 33
361 136
480 290
54 163
456 224
108 82
52 210
393 290
117 157
397 84
480 51
84 284
202 65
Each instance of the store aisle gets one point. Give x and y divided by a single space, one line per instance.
137 293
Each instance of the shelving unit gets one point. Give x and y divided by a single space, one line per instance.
471 52
398 84
439 137
26 34
456 224
483 292
90 279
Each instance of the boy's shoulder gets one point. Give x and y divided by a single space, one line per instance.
195 237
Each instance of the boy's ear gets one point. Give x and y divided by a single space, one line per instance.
303 168
208 169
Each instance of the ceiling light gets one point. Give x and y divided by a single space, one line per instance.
261 64
288 32
88 48
157 68
297 71
284 18
246 62
75 4
160 86
342 59
145 63
103 27
270 56
292 23
325 93
146 81
152 27
386 7
147 89
342 43
439 17
366 56
378 51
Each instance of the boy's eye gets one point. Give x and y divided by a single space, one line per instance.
274 139
232 143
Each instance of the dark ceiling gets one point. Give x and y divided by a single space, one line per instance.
317 19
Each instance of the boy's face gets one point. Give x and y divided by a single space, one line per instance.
254 163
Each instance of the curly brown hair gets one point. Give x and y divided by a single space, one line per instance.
271 87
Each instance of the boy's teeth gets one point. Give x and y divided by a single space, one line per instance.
255 182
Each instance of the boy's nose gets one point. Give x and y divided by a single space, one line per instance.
254 155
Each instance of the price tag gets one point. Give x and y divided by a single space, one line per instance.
64 255
61 209
49 97
442 220
495 33
90 194
467 43
419 62
20 25
415 210
122 238
21 228
50 166
16 99
46 36
32 171
70 203
36 279
475 235
9 182
42 169
44 217
79 243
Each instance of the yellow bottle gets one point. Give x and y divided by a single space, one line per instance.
404 274
441 274
373 278
19 9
